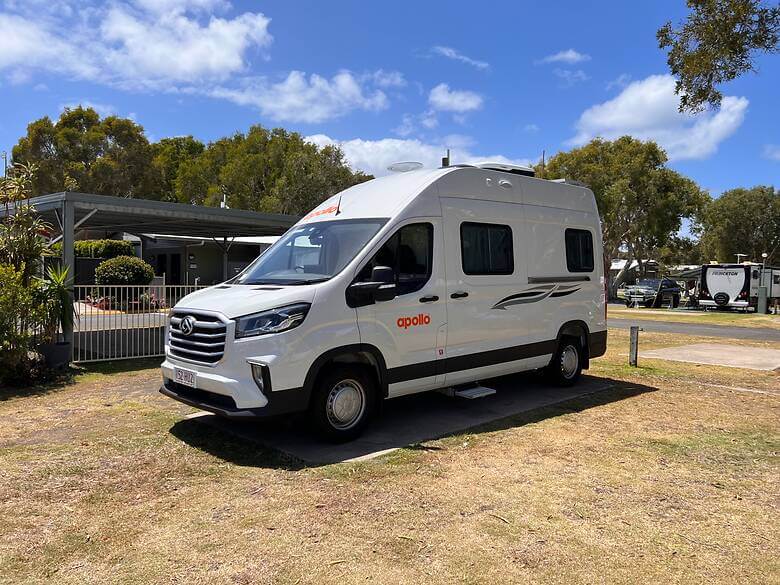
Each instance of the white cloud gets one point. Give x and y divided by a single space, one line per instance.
374 156
301 99
570 78
647 109
386 79
27 44
451 53
180 6
569 56
444 99
177 48
531 128
620 81
429 120
772 152
146 44
189 46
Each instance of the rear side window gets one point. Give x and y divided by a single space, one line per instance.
409 252
579 250
486 248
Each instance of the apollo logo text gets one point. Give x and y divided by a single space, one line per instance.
326 211
416 321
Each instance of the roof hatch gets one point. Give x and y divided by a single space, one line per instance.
515 169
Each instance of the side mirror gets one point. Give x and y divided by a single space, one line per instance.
386 277
386 292
383 274
381 287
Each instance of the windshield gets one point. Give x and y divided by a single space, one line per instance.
311 253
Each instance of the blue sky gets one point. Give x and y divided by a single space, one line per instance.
387 82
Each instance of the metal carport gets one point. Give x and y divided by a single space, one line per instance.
70 212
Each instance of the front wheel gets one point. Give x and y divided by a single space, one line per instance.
566 365
343 402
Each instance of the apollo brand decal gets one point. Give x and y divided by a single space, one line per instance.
417 321
326 211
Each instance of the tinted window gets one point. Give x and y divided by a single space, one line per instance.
409 252
486 248
579 250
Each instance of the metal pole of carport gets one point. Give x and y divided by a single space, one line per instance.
225 250
68 258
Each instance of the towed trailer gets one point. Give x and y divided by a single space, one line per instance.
736 286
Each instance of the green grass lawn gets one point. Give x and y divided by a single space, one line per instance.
689 316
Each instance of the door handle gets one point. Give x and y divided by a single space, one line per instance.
429 299
461 294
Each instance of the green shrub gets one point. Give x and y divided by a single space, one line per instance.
123 270
16 313
99 248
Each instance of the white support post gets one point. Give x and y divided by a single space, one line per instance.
68 255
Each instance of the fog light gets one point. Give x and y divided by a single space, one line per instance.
258 376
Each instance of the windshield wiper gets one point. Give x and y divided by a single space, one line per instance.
307 281
284 281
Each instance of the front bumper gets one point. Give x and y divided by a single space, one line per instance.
711 303
279 403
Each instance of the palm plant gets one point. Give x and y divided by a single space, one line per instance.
54 302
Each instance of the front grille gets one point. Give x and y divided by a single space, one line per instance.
205 344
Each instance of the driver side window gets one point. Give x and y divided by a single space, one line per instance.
409 252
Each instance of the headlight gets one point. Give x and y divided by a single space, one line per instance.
273 321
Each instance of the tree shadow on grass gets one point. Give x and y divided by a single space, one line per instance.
408 422
53 380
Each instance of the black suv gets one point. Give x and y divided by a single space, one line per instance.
651 292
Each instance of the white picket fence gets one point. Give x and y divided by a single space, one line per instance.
124 321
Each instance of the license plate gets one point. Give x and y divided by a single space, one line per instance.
185 377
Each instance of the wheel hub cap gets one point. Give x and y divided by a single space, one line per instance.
569 361
346 402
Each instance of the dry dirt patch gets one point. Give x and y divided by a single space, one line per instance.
659 479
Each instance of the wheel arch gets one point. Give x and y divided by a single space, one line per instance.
360 353
578 329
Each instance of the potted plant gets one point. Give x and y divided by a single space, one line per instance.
55 312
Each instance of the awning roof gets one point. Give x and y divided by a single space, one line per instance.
141 216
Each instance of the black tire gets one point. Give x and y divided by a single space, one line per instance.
628 303
331 410
561 371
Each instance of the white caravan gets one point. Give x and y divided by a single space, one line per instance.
422 280
727 286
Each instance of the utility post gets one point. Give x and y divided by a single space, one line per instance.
633 350
763 297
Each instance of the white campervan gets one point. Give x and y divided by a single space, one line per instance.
422 280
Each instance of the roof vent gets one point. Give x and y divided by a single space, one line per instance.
506 168
405 166
569 182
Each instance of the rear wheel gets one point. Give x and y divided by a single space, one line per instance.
566 365
343 401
